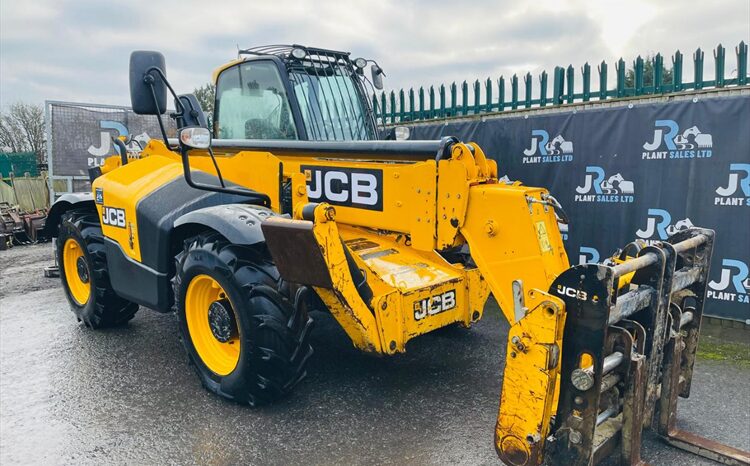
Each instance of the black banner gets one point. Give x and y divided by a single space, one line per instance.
636 171
82 135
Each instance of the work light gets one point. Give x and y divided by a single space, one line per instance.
360 63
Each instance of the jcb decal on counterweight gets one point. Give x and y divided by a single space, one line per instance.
361 188
434 304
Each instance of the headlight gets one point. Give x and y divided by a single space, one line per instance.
195 137
402 133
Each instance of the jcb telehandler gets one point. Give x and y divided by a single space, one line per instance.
291 203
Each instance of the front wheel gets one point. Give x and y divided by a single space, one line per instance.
248 343
83 270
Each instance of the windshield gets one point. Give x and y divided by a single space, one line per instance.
251 103
330 102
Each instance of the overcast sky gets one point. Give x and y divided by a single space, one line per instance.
78 50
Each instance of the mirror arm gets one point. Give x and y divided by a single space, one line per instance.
148 79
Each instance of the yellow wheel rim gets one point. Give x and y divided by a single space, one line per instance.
77 272
220 357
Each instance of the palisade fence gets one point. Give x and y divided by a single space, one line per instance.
646 78
649 157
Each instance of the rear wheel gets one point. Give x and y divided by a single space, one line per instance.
83 270
246 340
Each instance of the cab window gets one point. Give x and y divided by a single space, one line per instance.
251 103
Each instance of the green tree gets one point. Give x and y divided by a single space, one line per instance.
22 129
206 95
648 74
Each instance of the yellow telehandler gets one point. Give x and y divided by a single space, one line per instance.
291 202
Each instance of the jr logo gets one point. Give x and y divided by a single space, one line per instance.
733 282
105 141
556 150
739 179
688 145
361 188
659 226
613 189
588 255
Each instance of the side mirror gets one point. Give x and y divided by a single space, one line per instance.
143 78
377 77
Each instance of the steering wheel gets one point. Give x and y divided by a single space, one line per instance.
259 128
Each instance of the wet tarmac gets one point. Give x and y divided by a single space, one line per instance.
69 395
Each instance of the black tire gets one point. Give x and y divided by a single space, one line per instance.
103 308
272 333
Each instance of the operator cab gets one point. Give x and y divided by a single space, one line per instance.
292 92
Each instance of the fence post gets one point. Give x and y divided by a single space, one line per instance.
557 85
432 102
393 107
441 92
741 51
477 97
698 75
454 96
383 107
571 84
527 84
514 92
602 80
658 68
412 115
543 89
375 108
501 93
401 106
677 71
620 68
422 110
719 59
464 98
488 95
638 72
586 75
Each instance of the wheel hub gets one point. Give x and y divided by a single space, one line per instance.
221 320
83 269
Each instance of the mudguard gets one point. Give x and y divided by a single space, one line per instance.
239 223
63 204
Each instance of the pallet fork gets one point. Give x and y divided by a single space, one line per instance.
630 341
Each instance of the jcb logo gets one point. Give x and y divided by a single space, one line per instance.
572 292
434 305
113 217
361 188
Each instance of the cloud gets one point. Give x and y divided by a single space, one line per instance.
78 50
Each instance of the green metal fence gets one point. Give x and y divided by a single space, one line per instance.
18 163
646 77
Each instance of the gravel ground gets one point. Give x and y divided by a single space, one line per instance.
127 395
